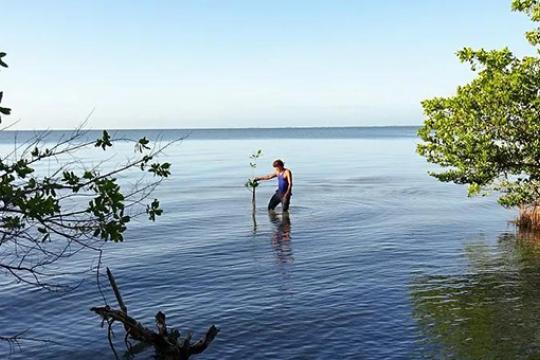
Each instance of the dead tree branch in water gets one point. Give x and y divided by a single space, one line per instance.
168 343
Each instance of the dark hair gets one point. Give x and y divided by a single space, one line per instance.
278 163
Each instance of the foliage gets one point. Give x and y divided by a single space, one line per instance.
532 9
251 183
488 134
3 110
78 205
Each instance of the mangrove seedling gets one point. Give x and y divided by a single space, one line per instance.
252 184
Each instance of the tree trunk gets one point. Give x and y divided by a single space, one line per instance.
529 217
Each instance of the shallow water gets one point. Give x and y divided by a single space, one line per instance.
376 260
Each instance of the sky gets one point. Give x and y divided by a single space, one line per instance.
232 63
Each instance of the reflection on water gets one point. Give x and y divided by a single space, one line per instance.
281 236
490 311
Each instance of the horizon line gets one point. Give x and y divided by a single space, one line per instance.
221 128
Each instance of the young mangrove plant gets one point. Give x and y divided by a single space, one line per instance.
252 184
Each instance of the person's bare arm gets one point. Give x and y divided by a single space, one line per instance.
288 176
265 177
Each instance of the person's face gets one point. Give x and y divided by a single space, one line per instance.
278 168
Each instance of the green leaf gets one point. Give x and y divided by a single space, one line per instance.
474 189
2 63
142 145
105 141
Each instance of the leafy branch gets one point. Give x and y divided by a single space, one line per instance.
48 216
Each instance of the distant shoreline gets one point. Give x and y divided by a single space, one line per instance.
224 128
360 132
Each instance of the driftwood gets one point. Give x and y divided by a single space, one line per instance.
167 342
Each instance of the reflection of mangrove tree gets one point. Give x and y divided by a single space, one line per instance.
492 311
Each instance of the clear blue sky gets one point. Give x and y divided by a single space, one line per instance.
221 63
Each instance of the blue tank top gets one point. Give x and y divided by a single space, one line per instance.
283 184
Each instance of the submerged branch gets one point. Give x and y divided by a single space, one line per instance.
167 343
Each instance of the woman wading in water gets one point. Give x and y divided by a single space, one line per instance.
283 192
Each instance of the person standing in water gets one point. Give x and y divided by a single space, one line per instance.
283 193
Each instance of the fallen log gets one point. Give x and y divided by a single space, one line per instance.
169 344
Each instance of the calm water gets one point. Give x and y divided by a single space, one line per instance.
377 259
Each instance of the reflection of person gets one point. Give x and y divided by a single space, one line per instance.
283 226
283 193
281 237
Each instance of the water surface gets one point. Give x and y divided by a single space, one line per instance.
375 260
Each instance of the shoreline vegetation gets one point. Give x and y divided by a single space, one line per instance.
486 135
52 216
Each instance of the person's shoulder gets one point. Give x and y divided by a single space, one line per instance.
288 171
